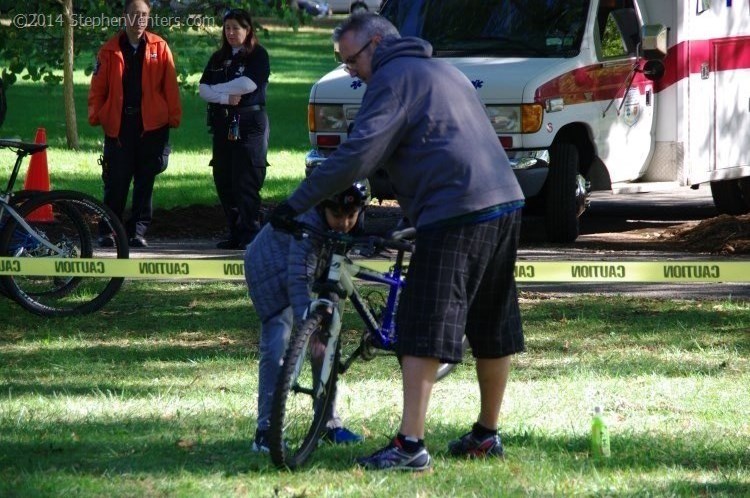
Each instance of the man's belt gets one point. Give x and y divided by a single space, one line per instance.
230 110
131 111
254 107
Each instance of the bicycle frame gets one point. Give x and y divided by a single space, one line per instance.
16 168
6 207
339 282
383 331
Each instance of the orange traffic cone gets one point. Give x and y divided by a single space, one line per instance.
37 178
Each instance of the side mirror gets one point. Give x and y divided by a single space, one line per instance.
654 41
653 70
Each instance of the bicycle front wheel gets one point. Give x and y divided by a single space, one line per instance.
304 393
62 224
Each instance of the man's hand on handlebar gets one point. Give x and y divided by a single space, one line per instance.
282 218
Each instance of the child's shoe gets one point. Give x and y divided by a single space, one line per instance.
341 435
260 445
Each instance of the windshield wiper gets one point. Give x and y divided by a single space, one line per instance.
486 44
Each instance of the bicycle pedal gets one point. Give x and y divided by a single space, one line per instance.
367 351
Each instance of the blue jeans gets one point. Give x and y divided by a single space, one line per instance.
274 338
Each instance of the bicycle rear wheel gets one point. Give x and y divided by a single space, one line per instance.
302 402
64 224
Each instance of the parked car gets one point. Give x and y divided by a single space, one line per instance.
315 9
345 6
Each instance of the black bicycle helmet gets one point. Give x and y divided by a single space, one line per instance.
356 196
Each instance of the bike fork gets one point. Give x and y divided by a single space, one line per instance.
334 330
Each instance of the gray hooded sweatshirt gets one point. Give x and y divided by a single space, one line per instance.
421 120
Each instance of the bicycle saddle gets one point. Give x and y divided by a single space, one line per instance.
28 147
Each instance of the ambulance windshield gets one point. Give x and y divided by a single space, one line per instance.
510 28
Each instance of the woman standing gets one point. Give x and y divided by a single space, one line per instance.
135 98
234 84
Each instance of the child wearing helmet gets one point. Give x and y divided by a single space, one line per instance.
280 271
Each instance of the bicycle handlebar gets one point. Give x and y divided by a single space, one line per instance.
395 241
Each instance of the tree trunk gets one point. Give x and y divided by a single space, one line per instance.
71 127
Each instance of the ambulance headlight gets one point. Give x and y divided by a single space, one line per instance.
326 118
525 118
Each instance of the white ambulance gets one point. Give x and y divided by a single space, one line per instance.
620 95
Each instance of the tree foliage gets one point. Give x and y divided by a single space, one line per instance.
34 47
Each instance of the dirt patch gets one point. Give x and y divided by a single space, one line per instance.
723 234
189 222
207 222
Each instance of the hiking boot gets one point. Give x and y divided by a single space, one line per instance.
471 447
260 445
341 435
394 457
138 241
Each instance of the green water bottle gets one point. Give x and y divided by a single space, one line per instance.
599 435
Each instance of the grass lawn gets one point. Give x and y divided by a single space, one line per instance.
297 61
155 396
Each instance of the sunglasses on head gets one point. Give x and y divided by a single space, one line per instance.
234 13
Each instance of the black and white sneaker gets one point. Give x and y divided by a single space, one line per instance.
394 457
472 447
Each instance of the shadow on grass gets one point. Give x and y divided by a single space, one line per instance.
728 487
577 325
185 445
178 322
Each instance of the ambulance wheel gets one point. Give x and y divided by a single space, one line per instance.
728 197
561 194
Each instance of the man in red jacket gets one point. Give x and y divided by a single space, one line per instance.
135 98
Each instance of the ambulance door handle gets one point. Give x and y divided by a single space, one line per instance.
704 71
648 98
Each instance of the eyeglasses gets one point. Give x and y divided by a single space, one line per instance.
350 61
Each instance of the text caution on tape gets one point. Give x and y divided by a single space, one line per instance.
526 271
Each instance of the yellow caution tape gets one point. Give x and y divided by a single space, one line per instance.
526 271
633 271
128 268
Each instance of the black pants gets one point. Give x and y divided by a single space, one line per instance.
239 170
135 157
